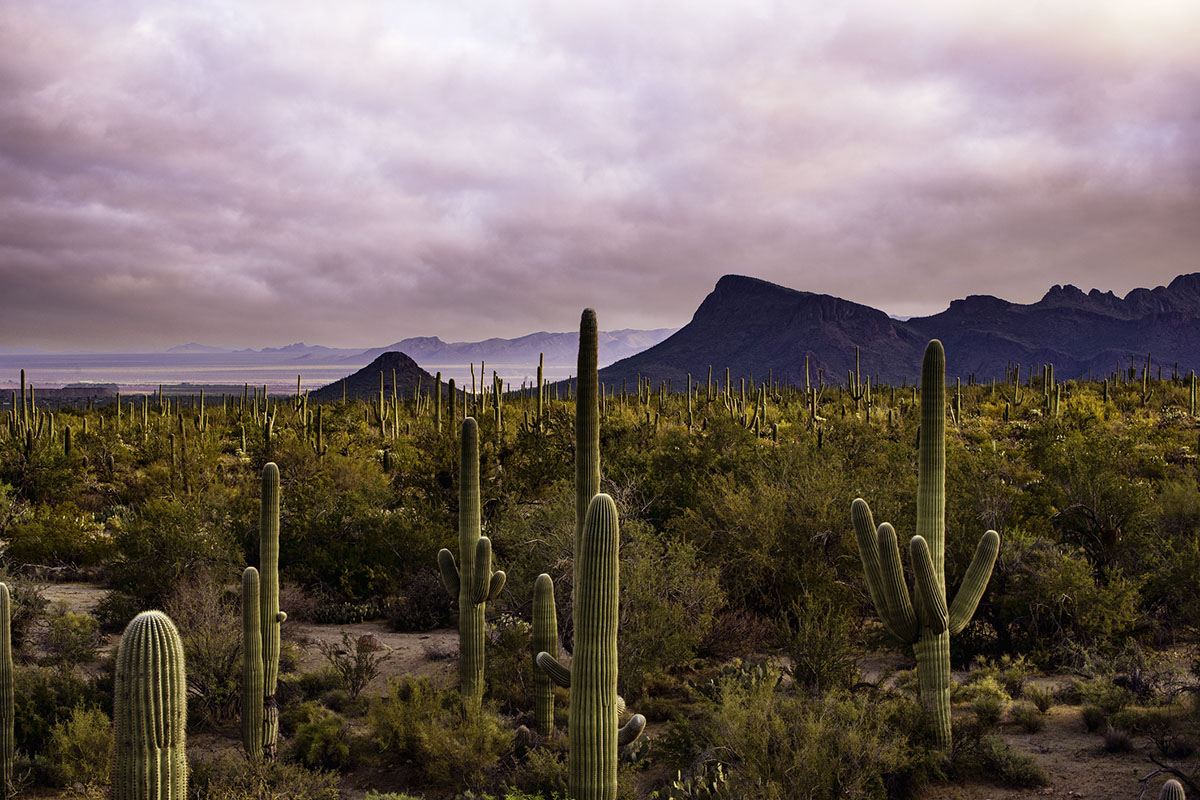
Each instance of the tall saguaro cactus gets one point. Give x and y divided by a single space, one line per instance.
545 640
592 732
269 616
150 712
471 580
7 714
927 624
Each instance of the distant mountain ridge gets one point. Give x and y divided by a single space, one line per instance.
752 326
559 348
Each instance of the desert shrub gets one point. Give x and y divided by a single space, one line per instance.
988 700
58 535
1041 697
374 795
356 662
510 664
1093 718
668 602
231 777
71 639
1010 767
422 721
164 541
833 746
1010 673
738 633
1027 716
116 609
28 607
312 685
543 773
1101 692
43 698
1117 740
79 748
421 603
323 741
208 616
819 642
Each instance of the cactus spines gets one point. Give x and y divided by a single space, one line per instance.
471 580
150 712
270 616
927 624
545 640
7 714
1172 790
252 667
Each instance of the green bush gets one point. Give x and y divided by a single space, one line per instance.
834 746
71 639
1027 716
80 748
208 616
669 599
43 698
543 773
231 777
421 721
819 642
58 535
323 741
1093 718
509 660
356 662
1042 698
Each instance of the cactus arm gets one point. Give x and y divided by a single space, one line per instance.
555 671
868 549
496 584
933 600
631 730
974 583
483 570
449 571
895 590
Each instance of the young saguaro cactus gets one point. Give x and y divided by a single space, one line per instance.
150 712
592 731
7 714
927 624
545 640
471 580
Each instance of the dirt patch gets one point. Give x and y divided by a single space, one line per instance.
428 653
1074 760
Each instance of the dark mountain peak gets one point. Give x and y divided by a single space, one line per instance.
1067 294
978 303
365 382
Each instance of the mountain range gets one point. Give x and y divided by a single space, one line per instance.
752 326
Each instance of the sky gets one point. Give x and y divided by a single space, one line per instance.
352 174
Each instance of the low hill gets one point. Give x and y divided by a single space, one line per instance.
365 383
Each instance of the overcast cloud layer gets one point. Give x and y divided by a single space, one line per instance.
260 173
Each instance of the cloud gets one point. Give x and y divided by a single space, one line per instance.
263 173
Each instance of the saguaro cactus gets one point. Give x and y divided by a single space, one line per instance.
1172 790
592 733
587 425
545 640
252 667
270 617
471 580
6 695
928 624
150 712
